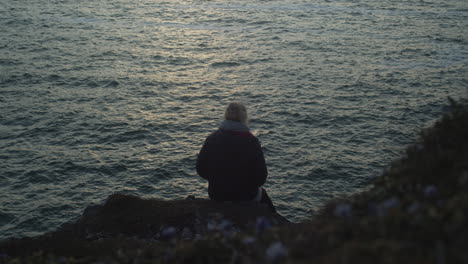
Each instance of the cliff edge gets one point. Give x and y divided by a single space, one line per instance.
415 212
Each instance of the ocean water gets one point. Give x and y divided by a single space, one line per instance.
98 97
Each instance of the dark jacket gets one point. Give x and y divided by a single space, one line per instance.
233 163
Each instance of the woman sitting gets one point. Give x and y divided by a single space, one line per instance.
232 161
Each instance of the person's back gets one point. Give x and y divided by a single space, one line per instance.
233 163
232 160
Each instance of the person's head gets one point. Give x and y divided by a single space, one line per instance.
236 112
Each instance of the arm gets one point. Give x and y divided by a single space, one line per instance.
260 169
201 162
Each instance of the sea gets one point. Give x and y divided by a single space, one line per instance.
117 96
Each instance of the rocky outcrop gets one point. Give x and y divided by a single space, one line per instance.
124 217
155 219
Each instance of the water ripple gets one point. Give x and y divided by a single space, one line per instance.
108 96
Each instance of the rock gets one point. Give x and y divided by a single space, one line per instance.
91 210
126 217
137 217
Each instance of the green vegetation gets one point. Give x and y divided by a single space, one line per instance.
416 212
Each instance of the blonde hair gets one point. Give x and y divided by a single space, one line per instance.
236 112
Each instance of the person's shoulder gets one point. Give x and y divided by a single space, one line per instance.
213 135
246 134
241 134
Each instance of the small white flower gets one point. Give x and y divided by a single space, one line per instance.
430 191
248 240
276 251
262 224
168 232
